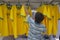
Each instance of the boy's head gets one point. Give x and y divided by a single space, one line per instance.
39 17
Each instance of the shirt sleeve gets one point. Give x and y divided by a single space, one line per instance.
29 19
44 29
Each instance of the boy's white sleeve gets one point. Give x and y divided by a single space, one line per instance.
44 29
29 19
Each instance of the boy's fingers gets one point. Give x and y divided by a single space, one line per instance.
26 11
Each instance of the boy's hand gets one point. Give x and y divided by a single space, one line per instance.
26 10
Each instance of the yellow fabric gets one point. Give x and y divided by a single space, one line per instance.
55 19
47 25
44 21
50 27
44 7
1 15
40 9
19 22
5 25
22 19
49 31
23 11
1 19
13 16
9 22
49 11
30 12
22 26
26 25
27 29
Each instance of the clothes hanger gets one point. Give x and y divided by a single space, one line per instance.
9 5
18 5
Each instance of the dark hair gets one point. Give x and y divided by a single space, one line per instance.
39 17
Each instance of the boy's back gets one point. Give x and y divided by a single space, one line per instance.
35 30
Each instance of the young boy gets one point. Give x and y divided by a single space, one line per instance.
36 28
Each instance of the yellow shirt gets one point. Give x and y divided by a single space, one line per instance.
1 19
9 22
13 17
5 32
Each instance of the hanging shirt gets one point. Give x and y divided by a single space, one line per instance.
55 19
13 17
22 18
9 22
5 32
35 30
1 19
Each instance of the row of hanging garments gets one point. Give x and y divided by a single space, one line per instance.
51 13
13 20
